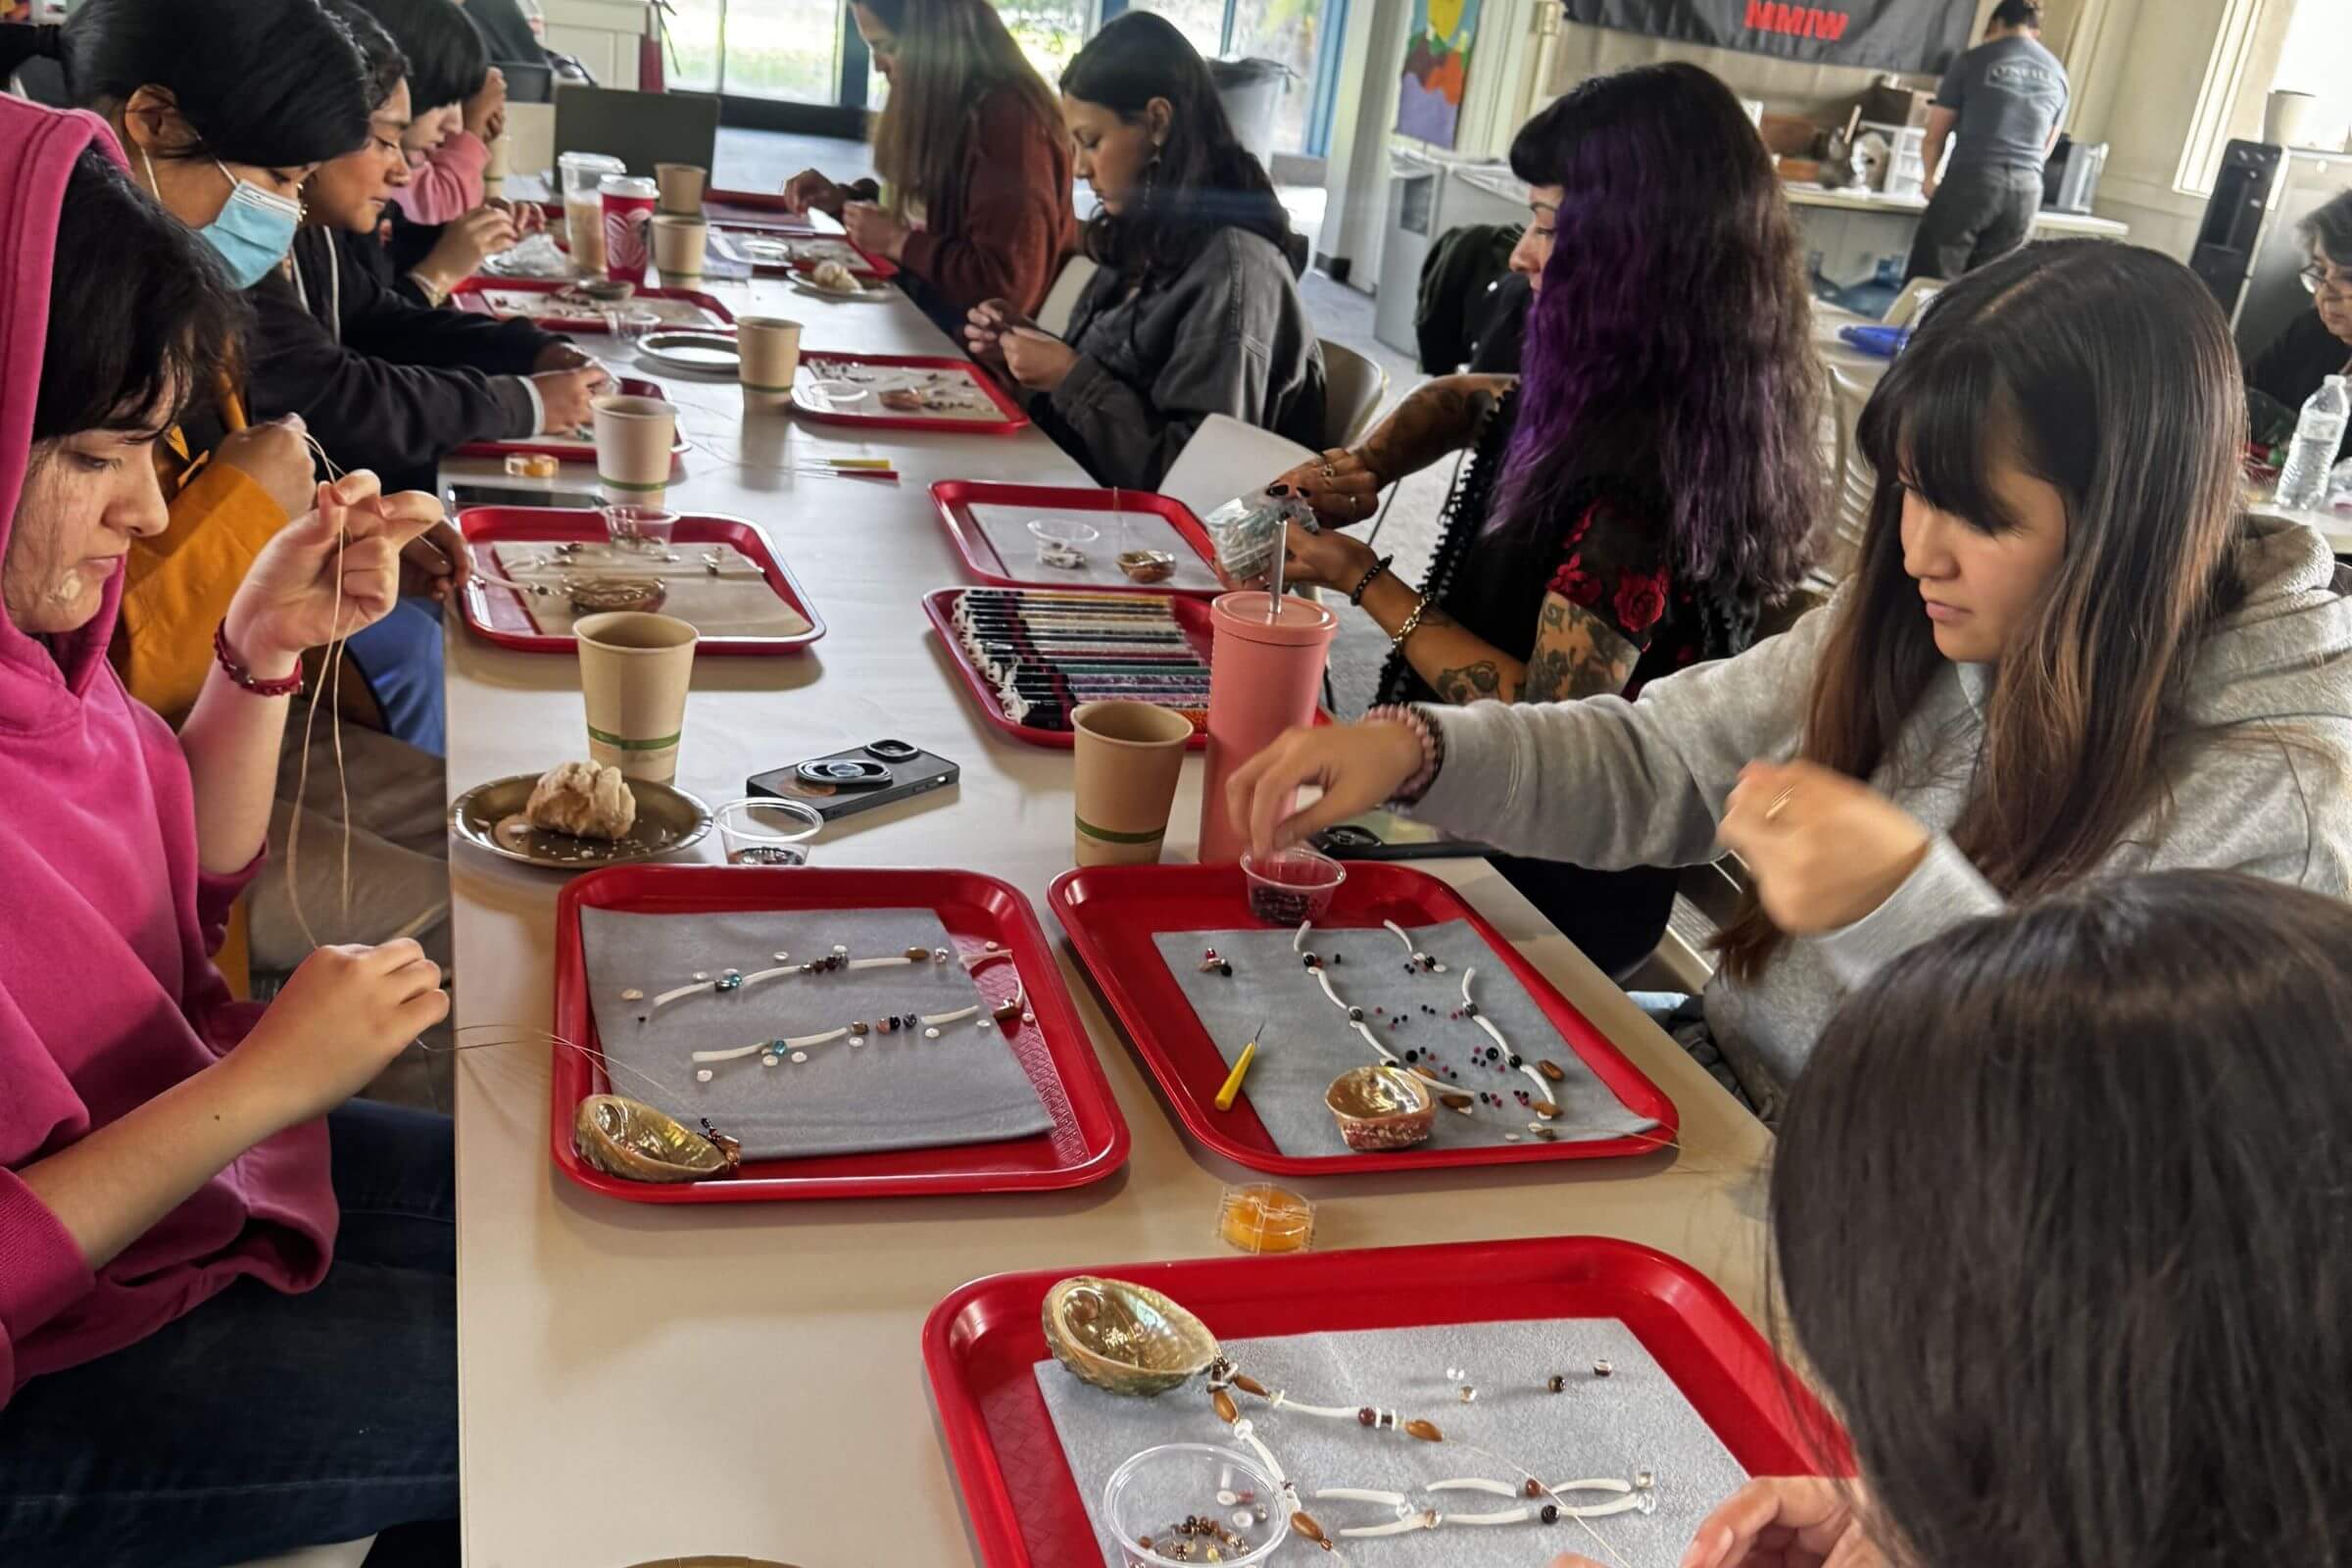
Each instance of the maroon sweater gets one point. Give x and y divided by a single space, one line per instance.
1000 231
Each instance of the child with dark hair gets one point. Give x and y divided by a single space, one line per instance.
1622 515
2066 653
2061 1224
459 103
1196 310
228 1314
2317 346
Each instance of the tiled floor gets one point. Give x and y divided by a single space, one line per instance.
759 160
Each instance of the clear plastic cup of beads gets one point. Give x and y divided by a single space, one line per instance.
761 831
1198 1497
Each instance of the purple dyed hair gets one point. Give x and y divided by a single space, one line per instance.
1671 345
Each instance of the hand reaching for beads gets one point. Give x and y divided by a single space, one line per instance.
1784 1522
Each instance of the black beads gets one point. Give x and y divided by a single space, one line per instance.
1551 1513
1355 1015
1516 1063
1558 1384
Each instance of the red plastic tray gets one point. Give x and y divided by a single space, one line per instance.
1089 1140
1013 420
955 499
1113 914
1192 613
573 451
496 615
981 1346
468 296
759 210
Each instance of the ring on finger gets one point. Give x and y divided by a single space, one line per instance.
1780 803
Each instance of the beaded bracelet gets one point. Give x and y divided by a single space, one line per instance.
1355 595
282 686
1432 748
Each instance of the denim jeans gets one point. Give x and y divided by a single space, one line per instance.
261 1422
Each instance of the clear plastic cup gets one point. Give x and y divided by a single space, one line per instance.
643 529
1061 544
628 327
1159 1488
763 831
1296 885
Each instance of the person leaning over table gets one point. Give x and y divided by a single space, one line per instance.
1196 310
2036 1243
2003 100
227 1307
459 100
1619 519
2317 346
976 159
2067 651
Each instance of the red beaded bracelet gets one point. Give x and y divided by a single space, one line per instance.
283 686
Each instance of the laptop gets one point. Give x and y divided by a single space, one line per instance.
641 128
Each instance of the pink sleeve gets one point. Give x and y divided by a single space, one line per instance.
215 894
448 185
41 1270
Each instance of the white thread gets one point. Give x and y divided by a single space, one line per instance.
1298 941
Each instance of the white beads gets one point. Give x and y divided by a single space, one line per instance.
632 995
800 1056
931 1033
702 1075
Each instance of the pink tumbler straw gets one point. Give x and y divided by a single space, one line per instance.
1265 674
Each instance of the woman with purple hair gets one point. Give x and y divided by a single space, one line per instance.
1635 498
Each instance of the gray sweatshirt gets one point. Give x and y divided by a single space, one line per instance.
1227 335
1608 783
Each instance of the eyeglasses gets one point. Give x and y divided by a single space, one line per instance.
2319 279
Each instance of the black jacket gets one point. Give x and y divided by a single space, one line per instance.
2298 360
382 381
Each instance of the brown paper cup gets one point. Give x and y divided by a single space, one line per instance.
681 186
678 244
635 672
769 352
633 441
1129 758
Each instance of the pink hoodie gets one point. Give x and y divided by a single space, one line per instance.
108 993
446 183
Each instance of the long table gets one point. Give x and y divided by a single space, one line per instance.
639 1381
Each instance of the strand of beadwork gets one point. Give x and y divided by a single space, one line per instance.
729 982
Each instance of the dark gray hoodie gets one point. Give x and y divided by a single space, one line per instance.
1608 783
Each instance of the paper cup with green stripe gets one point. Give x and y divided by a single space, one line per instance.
635 672
1130 756
634 437
768 355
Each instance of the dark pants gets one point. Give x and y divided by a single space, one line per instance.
261 1422
1615 919
1973 219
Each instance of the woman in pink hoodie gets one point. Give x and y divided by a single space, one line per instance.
226 1303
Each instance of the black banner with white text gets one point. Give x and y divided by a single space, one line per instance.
1922 36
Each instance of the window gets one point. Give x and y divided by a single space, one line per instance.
2218 104
2318 60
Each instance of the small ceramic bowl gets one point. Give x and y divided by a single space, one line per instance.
1380 1107
1295 885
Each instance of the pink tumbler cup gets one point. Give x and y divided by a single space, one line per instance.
1265 678
628 217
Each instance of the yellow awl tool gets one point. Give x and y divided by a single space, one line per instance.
1241 1070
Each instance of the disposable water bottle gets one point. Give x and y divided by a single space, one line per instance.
2319 435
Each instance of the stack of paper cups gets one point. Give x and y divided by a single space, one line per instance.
768 355
634 439
635 672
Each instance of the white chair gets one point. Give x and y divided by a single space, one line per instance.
1225 459
1353 386
1839 547
1062 300
350 1554
1917 296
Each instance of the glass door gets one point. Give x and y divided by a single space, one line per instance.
779 64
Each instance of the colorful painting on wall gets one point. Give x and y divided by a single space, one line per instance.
1436 69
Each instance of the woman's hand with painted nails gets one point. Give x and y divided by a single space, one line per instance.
1341 487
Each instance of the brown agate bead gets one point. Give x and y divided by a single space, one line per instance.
1250 1385
1552 1071
1546 1110
1227 1411
1304 1524
1424 1431
1534 1488
1365 1417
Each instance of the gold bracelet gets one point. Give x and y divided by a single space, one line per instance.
434 293
1412 622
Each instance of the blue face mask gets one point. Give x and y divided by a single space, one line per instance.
254 230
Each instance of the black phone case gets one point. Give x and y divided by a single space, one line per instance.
920 774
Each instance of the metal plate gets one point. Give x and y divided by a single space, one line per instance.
695 353
489 816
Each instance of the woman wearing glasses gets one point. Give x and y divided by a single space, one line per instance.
2317 346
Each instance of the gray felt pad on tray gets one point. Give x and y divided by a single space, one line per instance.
1307 1042
1632 1420
897 1091
1006 529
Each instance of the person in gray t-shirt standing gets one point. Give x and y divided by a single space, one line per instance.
2003 99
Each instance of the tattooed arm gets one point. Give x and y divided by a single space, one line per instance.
1576 654
1436 417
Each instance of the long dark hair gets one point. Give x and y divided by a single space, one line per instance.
2107 372
1671 345
108 367
2062 1207
387 66
448 61
953 55
1206 180
273 83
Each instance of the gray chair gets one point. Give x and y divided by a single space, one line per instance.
1353 386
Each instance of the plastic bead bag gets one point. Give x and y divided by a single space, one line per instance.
1248 532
